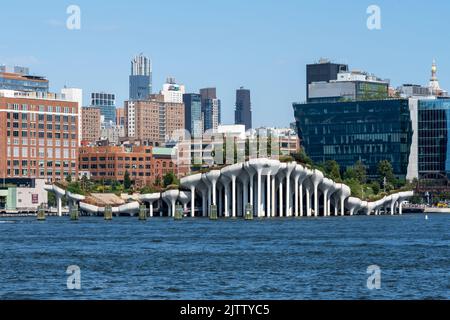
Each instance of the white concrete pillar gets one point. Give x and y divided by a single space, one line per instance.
272 188
59 205
308 203
300 191
172 211
258 184
245 193
151 209
296 211
252 198
192 201
325 204
233 196
316 201
226 201
280 200
268 196
288 196
213 190
204 202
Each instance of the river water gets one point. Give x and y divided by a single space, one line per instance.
305 258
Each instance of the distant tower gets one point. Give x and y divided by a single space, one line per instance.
140 78
243 112
434 83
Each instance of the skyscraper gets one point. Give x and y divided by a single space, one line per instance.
243 112
106 102
140 78
193 113
210 108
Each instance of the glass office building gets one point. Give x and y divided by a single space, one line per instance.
106 102
369 131
193 114
433 139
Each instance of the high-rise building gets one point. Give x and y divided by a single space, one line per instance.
172 92
153 120
211 109
21 80
348 131
76 95
40 139
91 124
106 102
243 112
323 71
140 78
193 114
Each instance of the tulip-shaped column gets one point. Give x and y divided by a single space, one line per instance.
270 169
280 177
191 182
171 196
326 185
299 175
394 198
150 198
226 194
316 179
233 172
309 189
289 169
251 174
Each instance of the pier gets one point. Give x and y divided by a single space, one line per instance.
258 188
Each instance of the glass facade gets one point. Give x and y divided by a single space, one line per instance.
24 84
106 102
193 114
433 138
369 131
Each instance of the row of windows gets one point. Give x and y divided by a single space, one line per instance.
41 117
26 152
41 108
33 163
48 135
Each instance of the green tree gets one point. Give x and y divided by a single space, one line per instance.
302 157
127 180
375 187
355 187
332 170
169 179
69 178
384 170
157 182
360 171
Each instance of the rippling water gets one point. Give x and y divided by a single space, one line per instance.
323 258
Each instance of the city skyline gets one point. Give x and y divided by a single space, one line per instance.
275 74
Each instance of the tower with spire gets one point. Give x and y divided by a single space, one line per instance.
434 83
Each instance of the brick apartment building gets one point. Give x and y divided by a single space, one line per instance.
153 120
143 163
40 136
91 124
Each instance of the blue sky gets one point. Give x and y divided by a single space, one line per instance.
263 45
